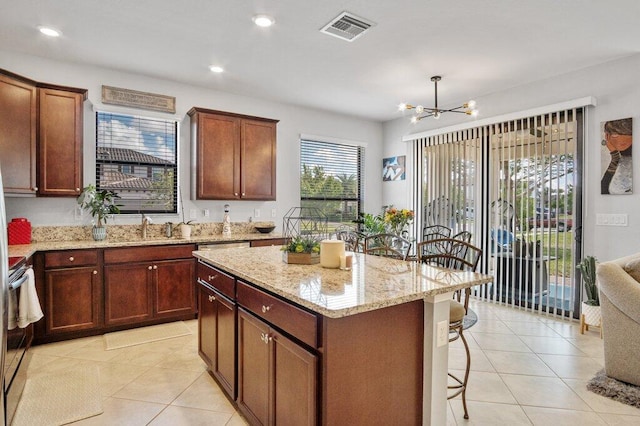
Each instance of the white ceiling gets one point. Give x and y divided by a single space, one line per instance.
479 47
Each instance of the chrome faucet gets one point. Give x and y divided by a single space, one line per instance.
146 220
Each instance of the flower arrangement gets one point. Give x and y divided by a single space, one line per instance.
302 245
101 203
397 219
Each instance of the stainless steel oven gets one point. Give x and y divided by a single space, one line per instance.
18 341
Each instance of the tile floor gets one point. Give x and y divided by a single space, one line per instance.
526 369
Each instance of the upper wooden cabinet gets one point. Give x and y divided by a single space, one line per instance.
234 156
60 128
17 133
40 137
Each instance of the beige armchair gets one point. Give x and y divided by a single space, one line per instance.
620 301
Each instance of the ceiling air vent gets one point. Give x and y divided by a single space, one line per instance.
346 26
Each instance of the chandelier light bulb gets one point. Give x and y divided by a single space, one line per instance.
436 115
474 113
402 107
414 119
419 109
471 104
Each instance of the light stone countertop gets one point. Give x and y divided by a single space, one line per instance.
373 283
134 241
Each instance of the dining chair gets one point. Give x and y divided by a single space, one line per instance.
435 231
388 245
463 236
459 255
352 240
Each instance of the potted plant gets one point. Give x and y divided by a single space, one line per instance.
397 220
184 226
302 250
590 314
101 203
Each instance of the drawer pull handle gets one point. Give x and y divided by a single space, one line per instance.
95 272
266 309
266 338
155 266
211 298
212 277
71 259
149 267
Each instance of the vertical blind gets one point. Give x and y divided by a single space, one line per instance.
515 186
136 157
330 179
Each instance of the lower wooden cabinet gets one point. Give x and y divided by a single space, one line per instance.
174 292
217 336
277 378
73 297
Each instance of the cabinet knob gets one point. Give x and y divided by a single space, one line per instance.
95 272
212 277
211 298
35 188
149 267
243 194
155 266
266 308
78 189
235 193
265 338
71 259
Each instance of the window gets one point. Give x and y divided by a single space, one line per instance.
331 180
136 157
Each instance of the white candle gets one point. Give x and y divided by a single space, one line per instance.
330 252
343 262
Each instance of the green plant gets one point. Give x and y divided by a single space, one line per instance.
587 267
370 224
302 245
397 219
101 203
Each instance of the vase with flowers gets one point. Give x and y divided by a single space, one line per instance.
397 220
302 250
101 203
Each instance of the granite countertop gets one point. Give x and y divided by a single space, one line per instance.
133 241
373 283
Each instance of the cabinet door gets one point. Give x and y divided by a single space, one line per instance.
218 157
174 292
128 293
295 383
60 142
258 153
217 336
253 368
72 299
18 135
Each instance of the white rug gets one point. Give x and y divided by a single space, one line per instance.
59 398
138 336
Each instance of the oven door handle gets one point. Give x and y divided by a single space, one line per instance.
17 283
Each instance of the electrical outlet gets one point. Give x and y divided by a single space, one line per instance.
273 212
205 212
193 214
442 333
256 213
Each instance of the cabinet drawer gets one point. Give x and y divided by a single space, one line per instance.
293 320
70 258
148 253
271 242
220 281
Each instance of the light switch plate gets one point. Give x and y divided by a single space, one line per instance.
442 333
603 219
205 212
256 213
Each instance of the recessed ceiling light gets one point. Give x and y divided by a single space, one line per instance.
216 69
263 20
48 31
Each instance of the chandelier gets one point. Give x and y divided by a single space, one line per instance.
421 112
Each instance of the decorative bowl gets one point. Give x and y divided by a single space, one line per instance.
265 229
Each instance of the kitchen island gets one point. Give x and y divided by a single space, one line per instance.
327 346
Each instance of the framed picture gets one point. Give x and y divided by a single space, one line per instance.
393 168
617 167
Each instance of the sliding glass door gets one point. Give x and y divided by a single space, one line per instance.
516 186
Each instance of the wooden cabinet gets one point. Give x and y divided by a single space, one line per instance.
40 137
18 110
72 291
217 336
277 378
60 128
234 156
140 284
269 242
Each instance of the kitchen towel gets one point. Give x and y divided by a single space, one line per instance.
12 314
29 309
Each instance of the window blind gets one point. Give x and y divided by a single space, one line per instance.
331 179
136 157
